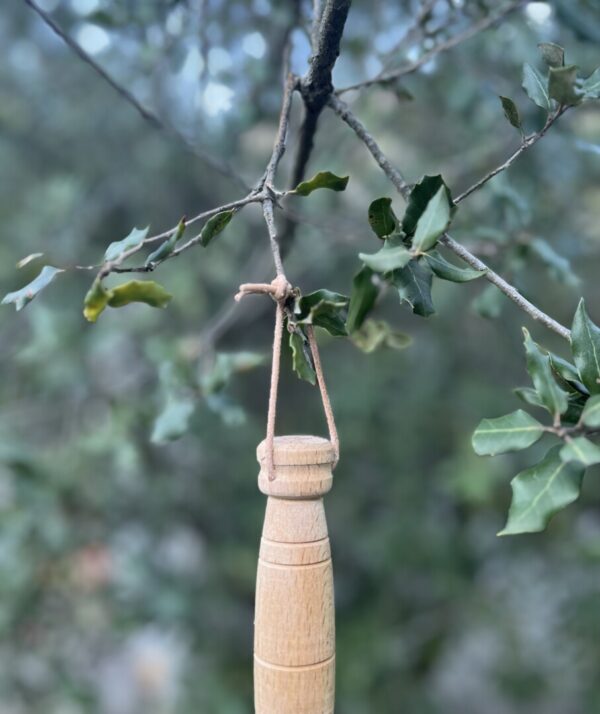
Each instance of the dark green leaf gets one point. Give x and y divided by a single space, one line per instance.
95 301
591 412
324 179
172 423
414 287
447 271
325 309
420 196
146 291
538 366
552 54
386 259
511 112
433 221
25 295
362 299
562 85
214 226
536 87
591 86
567 371
166 248
507 433
585 342
116 249
542 491
581 450
375 334
382 218
301 357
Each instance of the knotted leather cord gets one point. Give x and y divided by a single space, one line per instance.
280 290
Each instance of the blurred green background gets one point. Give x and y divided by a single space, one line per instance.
127 566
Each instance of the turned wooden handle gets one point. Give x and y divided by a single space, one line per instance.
294 628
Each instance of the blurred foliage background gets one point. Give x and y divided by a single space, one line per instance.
127 566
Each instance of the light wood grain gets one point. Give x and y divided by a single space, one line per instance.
294 633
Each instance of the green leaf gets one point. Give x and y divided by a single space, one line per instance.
542 491
414 287
507 433
386 259
419 198
591 412
116 249
95 301
538 365
166 248
447 271
225 366
146 291
562 85
25 295
511 112
214 226
325 309
433 221
375 334
536 87
591 86
172 423
489 302
324 179
301 357
529 396
552 54
585 343
567 371
362 299
382 218
558 267
581 450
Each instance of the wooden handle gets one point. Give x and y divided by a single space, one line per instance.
294 628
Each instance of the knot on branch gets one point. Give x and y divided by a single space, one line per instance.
279 289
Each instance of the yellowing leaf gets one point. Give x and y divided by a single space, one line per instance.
95 301
146 291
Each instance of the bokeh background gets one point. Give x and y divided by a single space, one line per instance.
127 564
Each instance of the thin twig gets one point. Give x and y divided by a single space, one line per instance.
527 143
401 185
154 120
451 42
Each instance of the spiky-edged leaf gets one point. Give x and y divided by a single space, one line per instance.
386 259
562 85
536 87
447 271
414 287
325 309
585 343
511 432
214 226
362 299
375 334
301 357
418 200
552 54
116 249
511 112
538 365
146 291
581 450
382 218
542 491
324 179
433 221
591 412
25 295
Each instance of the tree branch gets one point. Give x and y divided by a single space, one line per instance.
451 42
220 165
342 110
